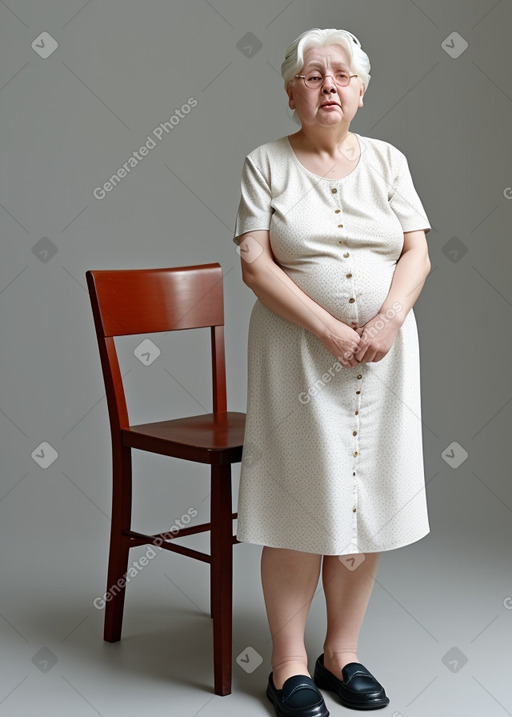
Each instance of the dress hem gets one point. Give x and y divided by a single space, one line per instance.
379 550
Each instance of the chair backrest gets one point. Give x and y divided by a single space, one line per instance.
138 301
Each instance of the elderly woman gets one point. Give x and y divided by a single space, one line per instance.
331 235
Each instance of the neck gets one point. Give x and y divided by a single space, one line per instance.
325 140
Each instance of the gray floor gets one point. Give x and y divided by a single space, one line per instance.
434 606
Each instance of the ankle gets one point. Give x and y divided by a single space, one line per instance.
283 669
336 659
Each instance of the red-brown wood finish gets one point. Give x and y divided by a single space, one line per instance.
143 301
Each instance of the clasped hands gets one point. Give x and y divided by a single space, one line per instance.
364 344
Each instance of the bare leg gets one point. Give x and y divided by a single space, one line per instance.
289 579
347 593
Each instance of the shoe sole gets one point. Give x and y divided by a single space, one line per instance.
319 682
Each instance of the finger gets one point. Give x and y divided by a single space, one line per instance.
370 357
360 354
344 361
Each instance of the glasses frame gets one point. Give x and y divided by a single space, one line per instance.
303 77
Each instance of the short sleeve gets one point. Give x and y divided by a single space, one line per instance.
254 209
405 202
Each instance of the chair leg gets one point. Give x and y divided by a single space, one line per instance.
221 576
119 544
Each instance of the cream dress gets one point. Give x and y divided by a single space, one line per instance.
333 456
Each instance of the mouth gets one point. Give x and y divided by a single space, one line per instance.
330 104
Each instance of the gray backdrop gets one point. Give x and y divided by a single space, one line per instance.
82 87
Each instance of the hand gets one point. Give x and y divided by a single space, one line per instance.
377 337
342 341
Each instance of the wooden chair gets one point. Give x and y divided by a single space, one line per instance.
138 301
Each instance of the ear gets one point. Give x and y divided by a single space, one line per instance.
363 90
291 101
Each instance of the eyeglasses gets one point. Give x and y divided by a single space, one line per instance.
315 79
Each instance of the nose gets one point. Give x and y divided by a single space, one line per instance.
329 85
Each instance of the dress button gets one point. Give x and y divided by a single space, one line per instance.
358 391
337 211
346 255
351 301
356 413
354 510
340 226
355 453
349 276
340 241
354 473
354 433
334 190
359 376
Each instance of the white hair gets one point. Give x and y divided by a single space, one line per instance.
316 37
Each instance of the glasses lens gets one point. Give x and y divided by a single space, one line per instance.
315 79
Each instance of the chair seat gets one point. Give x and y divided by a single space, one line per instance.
206 438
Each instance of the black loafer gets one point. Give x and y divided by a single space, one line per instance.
359 689
299 697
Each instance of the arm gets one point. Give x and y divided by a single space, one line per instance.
281 295
409 277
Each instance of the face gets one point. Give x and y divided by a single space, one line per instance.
308 102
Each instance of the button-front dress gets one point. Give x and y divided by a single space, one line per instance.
333 456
